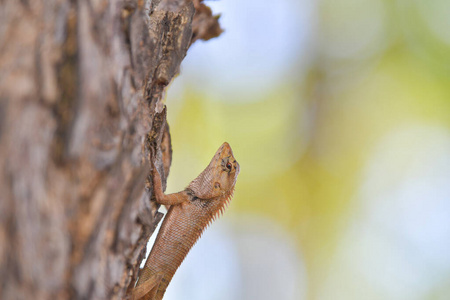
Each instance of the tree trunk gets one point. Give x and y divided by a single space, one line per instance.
80 118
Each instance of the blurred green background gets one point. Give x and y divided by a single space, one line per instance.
338 113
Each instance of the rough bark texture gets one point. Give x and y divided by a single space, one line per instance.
80 90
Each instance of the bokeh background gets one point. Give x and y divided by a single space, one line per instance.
338 113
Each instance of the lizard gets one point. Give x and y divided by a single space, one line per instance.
190 212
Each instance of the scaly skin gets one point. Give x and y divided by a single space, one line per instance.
190 212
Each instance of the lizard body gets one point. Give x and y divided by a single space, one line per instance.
190 212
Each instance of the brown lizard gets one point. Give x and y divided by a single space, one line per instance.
190 212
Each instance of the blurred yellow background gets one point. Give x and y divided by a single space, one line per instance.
338 113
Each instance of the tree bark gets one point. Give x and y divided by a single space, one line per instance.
81 84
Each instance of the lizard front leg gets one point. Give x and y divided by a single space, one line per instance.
161 198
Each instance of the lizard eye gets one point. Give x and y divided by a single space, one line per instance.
228 165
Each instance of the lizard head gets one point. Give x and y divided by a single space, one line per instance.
219 177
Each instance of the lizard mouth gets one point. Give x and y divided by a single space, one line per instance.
225 149
238 167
